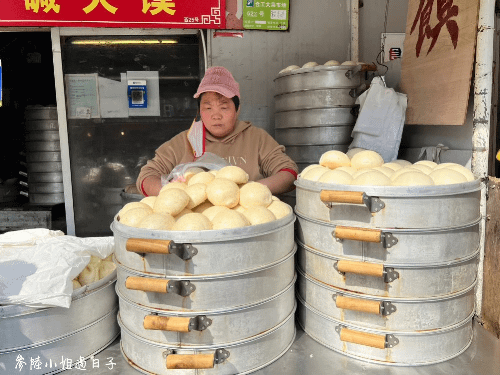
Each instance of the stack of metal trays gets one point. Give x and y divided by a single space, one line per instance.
51 340
208 302
43 156
387 274
315 110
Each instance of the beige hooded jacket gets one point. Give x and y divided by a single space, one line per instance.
247 147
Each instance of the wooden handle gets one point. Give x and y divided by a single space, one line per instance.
147 284
144 245
361 268
358 234
335 196
356 304
165 323
363 338
190 361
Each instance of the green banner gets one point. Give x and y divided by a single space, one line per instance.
265 15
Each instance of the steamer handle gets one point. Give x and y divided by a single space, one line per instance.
358 234
363 338
352 197
176 324
196 361
144 245
360 268
367 269
154 246
356 304
148 284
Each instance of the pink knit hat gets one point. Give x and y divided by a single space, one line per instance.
219 79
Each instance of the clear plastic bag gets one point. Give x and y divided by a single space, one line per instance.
207 161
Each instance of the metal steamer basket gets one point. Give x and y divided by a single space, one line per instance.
53 334
400 348
214 252
388 279
239 357
194 328
400 246
408 207
206 292
386 313
207 302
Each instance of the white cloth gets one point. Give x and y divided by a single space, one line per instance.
37 266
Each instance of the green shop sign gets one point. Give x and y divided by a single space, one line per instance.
265 15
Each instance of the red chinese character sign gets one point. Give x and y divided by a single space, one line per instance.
438 60
198 14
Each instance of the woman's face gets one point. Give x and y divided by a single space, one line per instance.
218 114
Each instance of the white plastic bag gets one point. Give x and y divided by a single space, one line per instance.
380 122
207 161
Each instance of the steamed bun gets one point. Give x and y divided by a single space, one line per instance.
197 195
445 176
192 222
157 221
366 159
229 219
279 209
201 178
371 178
412 178
314 174
171 201
336 177
223 192
174 185
332 63
334 159
259 215
310 64
150 201
255 194
134 216
235 174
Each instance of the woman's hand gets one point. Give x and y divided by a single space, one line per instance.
281 182
151 185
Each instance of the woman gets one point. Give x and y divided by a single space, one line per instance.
222 133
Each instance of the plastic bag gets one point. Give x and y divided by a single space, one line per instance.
208 161
37 266
379 126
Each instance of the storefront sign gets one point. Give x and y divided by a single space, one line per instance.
438 59
198 14
266 15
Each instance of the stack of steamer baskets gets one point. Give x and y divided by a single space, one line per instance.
207 302
49 340
387 273
315 110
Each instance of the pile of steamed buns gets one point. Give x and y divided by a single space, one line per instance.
312 64
96 270
366 167
223 199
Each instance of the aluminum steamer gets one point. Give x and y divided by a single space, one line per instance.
207 302
387 273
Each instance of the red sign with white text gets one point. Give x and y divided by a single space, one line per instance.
196 14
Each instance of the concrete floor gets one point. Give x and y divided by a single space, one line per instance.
306 356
